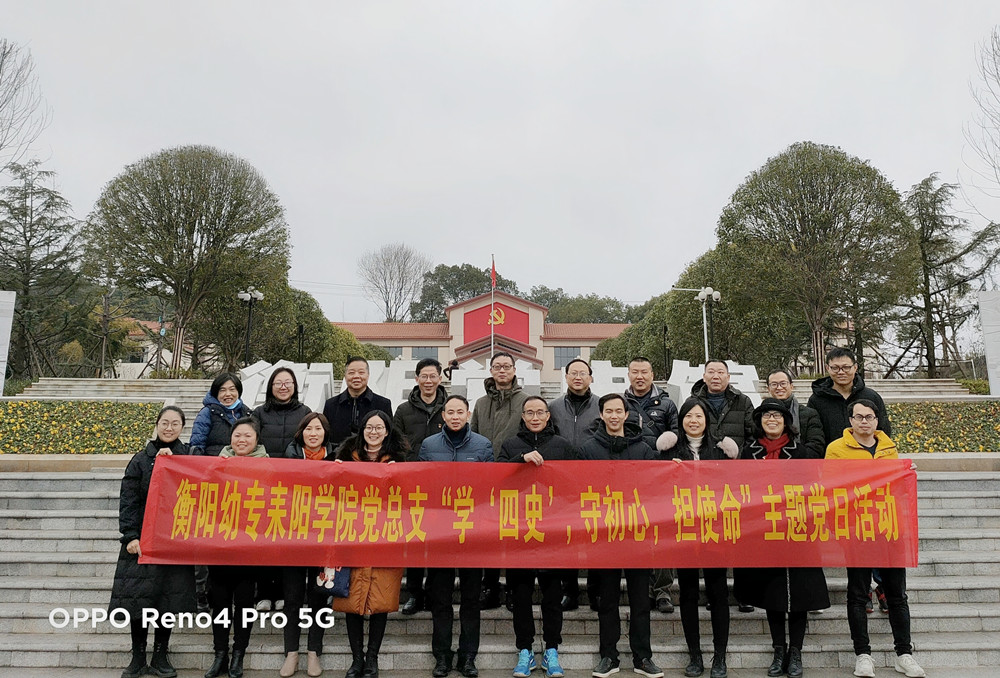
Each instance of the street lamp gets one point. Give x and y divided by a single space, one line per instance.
705 295
250 296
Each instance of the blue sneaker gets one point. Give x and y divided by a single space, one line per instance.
525 664
550 662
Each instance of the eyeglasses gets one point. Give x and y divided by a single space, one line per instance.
841 368
779 384
283 384
502 366
772 415
532 414
578 374
867 418
374 429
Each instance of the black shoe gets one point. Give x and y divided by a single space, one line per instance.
489 599
467 667
719 668
508 600
371 665
357 667
743 607
569 603
203 605
442 666
236 664
220 665
664 606
794 662
159 665
777 667
595 603
708 605
696 666
413 605
646 667
605 668
138 665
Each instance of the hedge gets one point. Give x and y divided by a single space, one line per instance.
75 427
946 427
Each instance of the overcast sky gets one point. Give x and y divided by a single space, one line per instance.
590 146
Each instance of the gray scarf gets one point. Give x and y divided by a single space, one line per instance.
793 406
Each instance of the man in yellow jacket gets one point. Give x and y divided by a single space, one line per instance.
864 441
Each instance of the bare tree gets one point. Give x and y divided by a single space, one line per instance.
23 113
393 276
983 133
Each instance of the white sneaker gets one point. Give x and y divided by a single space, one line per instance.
263 606
864 667
906 664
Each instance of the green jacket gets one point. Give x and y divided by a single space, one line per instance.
497 415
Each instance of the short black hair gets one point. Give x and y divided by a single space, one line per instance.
171 408
455 396
579 360
641 359
781 370
501 354
840 352
222 379
534 397
717 360
864 402
429 362
248 421
357 359
609 397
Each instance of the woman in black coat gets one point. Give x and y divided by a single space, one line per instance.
781 591
694 443
167 588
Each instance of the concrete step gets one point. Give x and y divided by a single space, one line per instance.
947 518
59 482
947 650
82 500
59 519
941 481
958 499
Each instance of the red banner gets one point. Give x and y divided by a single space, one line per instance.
560 515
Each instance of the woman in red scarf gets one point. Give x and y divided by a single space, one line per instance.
783 592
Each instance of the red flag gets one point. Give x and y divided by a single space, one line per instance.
493 272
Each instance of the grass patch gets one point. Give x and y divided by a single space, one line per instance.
945 427
976 386
75 426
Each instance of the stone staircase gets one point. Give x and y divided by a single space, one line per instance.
901 390
186 394
58 547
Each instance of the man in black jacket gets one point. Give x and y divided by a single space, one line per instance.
618 439
354 401
730 412
417 418
535 443
832 396
781 387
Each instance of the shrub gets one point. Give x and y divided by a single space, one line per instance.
75 426
946 427
976 386
13 386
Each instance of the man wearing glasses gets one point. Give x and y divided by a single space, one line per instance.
833 395
497 416
781 387
864 440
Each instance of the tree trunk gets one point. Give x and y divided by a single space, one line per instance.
176 358
929 326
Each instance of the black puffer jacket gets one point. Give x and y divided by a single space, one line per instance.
603 447
168 588
344 412
734 421
416 419
547 442
709 450
295 451
832 406
278 423
659 413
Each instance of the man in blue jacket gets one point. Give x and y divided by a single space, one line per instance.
455 442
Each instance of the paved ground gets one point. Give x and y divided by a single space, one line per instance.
733 673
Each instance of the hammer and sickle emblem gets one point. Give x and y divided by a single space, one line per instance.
497 317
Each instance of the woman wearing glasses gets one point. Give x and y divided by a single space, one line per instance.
374 590
785 593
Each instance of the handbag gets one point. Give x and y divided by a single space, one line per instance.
334 581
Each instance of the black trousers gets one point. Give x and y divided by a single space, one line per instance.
297 592
231 587
415 582
521 584
796 628
859 581
609 590
717 591
440 587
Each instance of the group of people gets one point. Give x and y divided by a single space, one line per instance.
843 419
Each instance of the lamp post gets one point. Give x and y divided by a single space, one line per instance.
251 295
706 295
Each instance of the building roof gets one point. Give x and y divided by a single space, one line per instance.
369 332
502 296
570 331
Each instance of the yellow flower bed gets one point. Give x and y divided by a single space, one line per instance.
946 427
75 426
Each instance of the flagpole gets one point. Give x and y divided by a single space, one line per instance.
493 299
